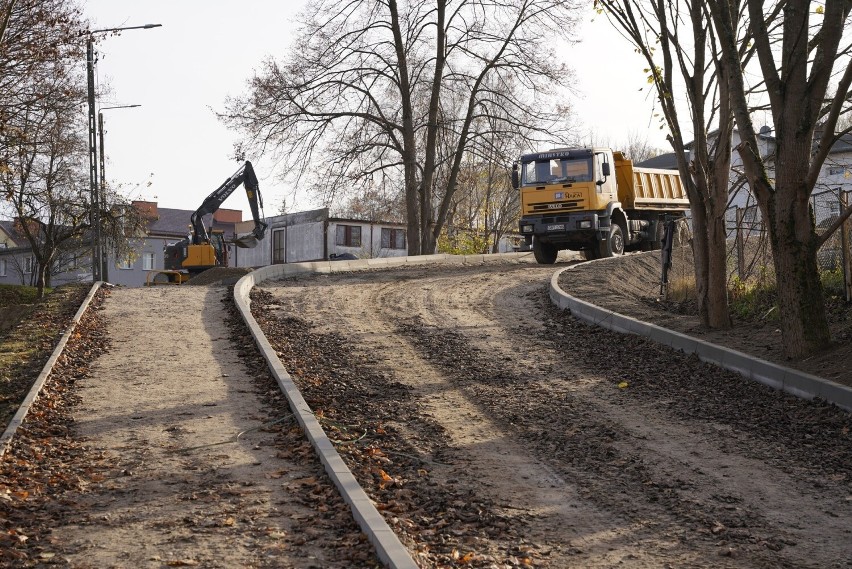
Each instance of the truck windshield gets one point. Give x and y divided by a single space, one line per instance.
557 170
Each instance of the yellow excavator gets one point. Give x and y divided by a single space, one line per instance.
203 250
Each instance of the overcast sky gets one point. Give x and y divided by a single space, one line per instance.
174 151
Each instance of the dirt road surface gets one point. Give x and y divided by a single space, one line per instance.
511 434
490 429
196 474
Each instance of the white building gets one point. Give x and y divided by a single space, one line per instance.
314 236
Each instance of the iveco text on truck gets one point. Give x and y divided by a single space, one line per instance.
594 200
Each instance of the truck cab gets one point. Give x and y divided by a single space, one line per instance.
567 196
593 200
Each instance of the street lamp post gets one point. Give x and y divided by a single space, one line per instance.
104 266
94 214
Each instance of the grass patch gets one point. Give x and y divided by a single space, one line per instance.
753 299
25 348
681 289
832 282
12 295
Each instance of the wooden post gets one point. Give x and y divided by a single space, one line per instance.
844 247
740 244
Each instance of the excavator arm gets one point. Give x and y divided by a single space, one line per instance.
200 251
246 176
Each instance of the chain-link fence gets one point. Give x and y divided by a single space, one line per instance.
749 252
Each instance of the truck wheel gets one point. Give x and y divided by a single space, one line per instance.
616 240
545 253
613 246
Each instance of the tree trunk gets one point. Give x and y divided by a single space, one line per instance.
718 315
409 143
801 302
40 280
412 210
699 253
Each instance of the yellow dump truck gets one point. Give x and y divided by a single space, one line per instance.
594 200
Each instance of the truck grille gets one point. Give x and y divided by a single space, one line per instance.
556 219
556 206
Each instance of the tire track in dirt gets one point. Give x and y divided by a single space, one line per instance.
687 451
529 493
525 399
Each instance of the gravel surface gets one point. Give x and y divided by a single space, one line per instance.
495 431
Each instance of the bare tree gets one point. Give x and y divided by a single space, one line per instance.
638 149
5 16
43 182
378 202
368 84
40 125
677 42
40 38
799 51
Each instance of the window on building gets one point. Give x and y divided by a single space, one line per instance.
28 265
393 238
147 261
3 268
278 243
348 235
126 263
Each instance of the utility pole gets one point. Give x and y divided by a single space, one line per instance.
94 187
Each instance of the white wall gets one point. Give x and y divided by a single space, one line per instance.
371 240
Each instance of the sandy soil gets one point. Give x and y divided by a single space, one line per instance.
589 448
198 474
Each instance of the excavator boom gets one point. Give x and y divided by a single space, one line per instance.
246 176
201 251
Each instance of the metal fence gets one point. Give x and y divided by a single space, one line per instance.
749 252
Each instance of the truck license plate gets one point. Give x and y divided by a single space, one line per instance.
557 227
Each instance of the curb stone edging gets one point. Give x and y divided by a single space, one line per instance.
794 382
389 548
18 419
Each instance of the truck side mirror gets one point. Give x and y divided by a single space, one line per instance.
516 182
605 169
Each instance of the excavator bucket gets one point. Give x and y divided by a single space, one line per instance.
246 242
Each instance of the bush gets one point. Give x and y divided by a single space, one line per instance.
462 243
832 282
752 299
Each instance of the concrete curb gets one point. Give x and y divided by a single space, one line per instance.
800 384
389 548
18 419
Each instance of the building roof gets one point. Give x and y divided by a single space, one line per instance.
172 223
843 144
667 161
8 228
